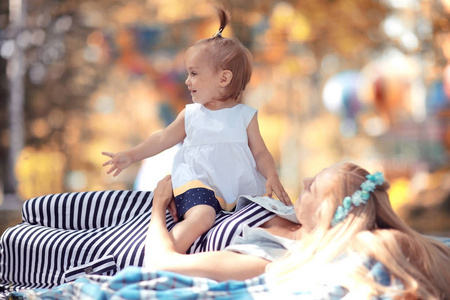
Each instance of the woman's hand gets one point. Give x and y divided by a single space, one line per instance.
119 162
161 254
273 184
163 197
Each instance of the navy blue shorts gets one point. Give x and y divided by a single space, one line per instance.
194 197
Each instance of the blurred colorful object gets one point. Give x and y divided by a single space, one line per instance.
446 4
288 21
437 99
391 84
446 80
340 97
438 93
41 172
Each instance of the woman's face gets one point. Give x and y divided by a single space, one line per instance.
311 198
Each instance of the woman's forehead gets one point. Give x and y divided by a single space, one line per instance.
326 174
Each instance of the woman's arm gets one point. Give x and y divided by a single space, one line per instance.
160 251
154 144
265 162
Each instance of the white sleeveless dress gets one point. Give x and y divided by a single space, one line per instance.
215 154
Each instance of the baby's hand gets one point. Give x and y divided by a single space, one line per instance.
119 162
274 185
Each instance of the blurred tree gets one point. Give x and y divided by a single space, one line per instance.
15 73
348 28
3 100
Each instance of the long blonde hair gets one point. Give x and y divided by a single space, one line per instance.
373 230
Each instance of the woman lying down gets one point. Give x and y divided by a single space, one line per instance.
350 244
349 237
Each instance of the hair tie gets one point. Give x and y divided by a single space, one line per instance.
358 197
218 33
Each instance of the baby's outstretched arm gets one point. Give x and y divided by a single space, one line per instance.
265 162
154 144
119 161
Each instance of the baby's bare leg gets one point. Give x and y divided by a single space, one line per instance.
197 221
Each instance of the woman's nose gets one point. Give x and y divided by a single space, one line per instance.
187 81
306 182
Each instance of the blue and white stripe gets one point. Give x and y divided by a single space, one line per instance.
65 236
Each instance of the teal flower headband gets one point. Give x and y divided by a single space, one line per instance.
358 197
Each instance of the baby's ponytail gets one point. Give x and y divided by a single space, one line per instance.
224 17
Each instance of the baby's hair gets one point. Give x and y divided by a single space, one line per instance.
224 17
227 54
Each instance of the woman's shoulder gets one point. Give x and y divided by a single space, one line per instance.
259 242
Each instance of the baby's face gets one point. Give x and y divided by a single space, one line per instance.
202 79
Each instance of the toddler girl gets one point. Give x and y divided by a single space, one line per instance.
223 154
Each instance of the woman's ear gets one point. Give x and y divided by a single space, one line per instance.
225 78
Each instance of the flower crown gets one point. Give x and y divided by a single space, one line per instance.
358 197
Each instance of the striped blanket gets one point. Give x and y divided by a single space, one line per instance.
65 236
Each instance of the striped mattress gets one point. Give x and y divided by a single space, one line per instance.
65 236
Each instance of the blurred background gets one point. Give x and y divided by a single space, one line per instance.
334 80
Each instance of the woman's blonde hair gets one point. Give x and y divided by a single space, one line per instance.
373 230
227 54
